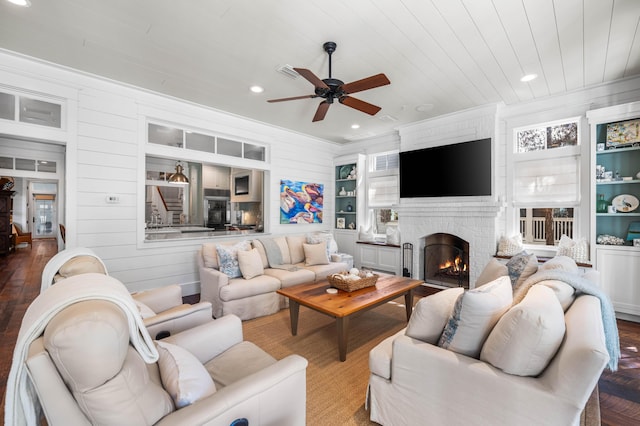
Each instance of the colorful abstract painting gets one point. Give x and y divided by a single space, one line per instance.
301 202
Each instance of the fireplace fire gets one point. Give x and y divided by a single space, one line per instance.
446 260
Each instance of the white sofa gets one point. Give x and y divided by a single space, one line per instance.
413 381
253 295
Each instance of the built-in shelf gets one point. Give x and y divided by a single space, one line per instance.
616 182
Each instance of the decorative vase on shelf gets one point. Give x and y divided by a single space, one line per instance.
601 205
342 192
349 207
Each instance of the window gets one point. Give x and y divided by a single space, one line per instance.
382 190
187 139
28 110
546 180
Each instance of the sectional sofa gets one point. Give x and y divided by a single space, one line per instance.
242 277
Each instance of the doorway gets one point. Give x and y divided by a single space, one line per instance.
43 209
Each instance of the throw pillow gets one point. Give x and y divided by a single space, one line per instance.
494 269
510 246
431 314
578 249
295 248
327 239
563 263
228 257
210 255
528 336
521 267
281 242
315 254
474 315
182 374
83 264
250 263
563 291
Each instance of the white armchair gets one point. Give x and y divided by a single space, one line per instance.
162 309
83 374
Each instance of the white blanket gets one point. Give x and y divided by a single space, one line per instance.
55 263
21 404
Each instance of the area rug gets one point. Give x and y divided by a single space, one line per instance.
335 390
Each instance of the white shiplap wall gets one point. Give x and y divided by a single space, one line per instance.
105 147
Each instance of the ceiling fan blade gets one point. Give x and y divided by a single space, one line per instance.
366 84
311 77
293 98
363 106
321 111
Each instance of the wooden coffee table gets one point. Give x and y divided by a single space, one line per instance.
343 305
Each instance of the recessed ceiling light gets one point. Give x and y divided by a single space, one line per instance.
256 89
355 126
529 77
23 3
424 107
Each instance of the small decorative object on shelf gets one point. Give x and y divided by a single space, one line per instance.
601 204
609 240
342 192
352 225
349 207
340 223
633 234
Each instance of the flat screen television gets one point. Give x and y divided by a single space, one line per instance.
461 169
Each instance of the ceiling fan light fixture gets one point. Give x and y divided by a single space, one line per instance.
178 178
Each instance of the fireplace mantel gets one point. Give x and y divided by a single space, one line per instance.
439 208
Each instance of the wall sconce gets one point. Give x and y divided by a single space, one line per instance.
178 178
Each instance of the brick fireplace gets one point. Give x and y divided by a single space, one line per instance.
446 260
475 222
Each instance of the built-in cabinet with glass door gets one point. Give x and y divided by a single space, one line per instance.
615 214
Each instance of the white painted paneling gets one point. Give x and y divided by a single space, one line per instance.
540 15
570 36
624 30
596 38
128 148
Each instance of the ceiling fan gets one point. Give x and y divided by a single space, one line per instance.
331 88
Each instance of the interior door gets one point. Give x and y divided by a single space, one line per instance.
44 218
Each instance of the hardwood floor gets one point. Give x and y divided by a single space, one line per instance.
20 283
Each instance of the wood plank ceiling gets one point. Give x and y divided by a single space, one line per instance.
440 55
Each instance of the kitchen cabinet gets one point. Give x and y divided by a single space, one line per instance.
216 177
246 186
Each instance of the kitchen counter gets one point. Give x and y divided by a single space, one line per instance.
191 231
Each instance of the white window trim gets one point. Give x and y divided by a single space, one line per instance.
581 150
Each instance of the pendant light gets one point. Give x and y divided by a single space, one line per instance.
178 178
